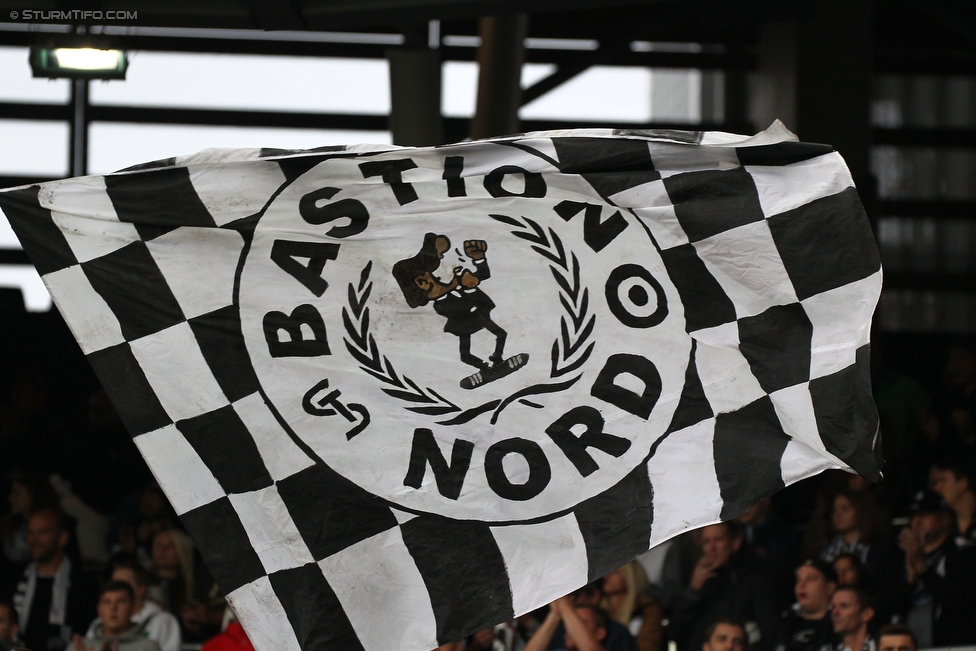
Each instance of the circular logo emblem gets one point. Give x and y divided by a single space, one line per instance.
497 347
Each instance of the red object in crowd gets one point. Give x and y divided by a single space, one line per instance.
233 639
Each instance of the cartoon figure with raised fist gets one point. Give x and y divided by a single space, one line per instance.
450 277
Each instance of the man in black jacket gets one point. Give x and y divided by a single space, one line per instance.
933 587
807 625
54 598
450 279
721 588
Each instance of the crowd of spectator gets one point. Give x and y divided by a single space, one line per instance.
94 558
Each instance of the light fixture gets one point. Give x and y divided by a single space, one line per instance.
78 58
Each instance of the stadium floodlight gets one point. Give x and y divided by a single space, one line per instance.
78 59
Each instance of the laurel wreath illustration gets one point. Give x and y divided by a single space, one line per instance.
569 351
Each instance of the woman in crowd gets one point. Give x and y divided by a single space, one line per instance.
852 523
184 587
627 601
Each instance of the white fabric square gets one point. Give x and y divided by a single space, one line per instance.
269 527
724 372
674 159
841 321
794 408
192 391
403 517
92 237
785 187
232 191
181 473
263 617
686 490
650 202
85 215
281 456
395 591
199 266
88 316
747 265
799 462
84 195
542 145
544 561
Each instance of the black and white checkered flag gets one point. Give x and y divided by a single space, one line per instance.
398 395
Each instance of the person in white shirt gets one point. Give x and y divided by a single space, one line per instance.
851 611
155 623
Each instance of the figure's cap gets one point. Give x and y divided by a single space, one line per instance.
825 568
926 501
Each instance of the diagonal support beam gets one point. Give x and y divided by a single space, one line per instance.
601 56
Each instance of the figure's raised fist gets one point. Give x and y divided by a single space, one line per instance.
475 249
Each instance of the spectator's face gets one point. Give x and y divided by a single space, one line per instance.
812 590
930 527
152 505
589 619
44 540
20 499
588 598
483 639
451 646
961 366
717 544
614 583
843 515
946 484
164 552
8 625
847 614
115 610
896 643
847 573
126 575
727 637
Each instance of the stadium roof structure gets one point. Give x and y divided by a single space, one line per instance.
814 64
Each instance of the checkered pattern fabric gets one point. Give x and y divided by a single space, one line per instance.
764 239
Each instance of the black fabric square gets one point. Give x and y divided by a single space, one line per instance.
616 524
776 344
314 611
223 442
464 572
36 230
162 162
826 243
608 164
747 448
705 302
135 290
292 168
847 417
126 385
218 533
693 406
781 153
157 201
712 202
268 152
331 512
222 345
